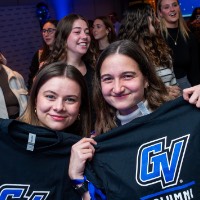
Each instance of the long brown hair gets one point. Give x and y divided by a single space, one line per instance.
135 27
156 94
58 69
63 31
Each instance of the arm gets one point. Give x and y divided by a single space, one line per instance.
192 95
80 153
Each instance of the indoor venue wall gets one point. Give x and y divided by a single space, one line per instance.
20 30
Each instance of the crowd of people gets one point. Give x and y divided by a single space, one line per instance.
91 81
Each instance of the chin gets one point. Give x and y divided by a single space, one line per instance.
57 128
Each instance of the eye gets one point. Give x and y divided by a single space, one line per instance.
166 7
77 32
128 76
70 100
175 4
106 79
87 32
50 97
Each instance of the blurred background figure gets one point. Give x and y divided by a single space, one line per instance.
13 92
115 20
3 59
103 33
182 42
48 36
194 25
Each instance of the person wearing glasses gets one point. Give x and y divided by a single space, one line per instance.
48 35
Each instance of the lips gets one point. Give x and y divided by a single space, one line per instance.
57 117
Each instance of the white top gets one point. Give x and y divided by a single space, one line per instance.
135 114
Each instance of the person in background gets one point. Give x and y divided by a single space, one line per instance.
194 25
103 33
72 42
140 25
13 92
126 87
59 100
48 36
115 20
3 60
182 42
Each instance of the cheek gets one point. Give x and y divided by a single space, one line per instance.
105 88
41 105
74 109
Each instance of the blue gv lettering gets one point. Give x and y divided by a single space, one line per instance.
158 163
16 191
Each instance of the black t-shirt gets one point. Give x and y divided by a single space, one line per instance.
185 56
39 174
154 157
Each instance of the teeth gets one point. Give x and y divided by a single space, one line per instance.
172 14
82 44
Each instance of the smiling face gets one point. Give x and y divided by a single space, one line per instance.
122 83
170 11
49 38
79 39
58 103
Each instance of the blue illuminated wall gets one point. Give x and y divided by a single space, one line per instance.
62 7
187 6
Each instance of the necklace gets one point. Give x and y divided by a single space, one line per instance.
175 41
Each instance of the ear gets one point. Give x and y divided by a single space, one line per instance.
108 30
159 14
146 84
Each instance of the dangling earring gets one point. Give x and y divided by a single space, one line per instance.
35 111
79 117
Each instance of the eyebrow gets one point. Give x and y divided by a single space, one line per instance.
132 72
50 92
68 95
98 25
77 27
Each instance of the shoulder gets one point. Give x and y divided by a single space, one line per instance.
12 73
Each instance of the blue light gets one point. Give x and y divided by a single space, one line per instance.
190 5
62 8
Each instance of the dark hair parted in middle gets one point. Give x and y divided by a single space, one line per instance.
156 93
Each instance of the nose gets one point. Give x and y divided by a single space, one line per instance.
84 35
171 7
118 87
59 106
94 28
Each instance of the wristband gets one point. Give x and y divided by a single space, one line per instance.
82 188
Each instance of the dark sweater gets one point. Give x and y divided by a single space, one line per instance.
185 56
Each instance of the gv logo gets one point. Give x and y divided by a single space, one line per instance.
158 163
15 191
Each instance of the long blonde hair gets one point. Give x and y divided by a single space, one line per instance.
184 30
